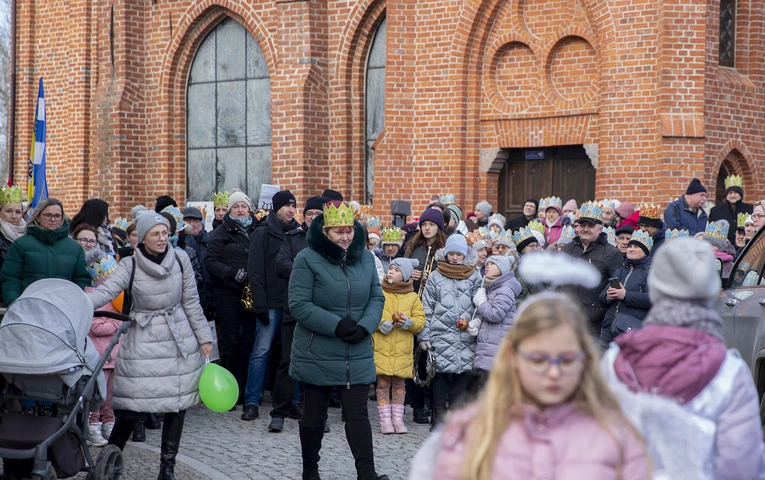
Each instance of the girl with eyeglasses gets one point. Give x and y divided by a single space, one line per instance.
545 412
46 251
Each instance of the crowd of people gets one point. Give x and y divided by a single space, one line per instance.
571 333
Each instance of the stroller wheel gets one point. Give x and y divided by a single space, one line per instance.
51 475
109 464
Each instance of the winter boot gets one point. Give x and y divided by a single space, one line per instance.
152 423
139 432
419 416
95 439
106 429
359 435
386 426
124 425
310 444
439 414
397 414
171 439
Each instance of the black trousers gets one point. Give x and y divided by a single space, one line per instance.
358 432
284 385
451 387
417 393
237 334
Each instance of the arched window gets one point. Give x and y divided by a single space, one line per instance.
374 106
228 115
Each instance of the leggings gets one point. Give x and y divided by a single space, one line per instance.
388 383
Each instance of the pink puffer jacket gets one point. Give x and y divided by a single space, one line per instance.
557 443
102 330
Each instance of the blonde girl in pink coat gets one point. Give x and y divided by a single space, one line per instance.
546 412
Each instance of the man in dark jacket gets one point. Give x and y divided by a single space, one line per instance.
732 206
687 212
592 245
193 217
268 293
284 385
529 213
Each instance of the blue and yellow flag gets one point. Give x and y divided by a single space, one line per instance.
38 184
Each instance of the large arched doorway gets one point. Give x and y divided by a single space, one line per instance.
564 172
228 115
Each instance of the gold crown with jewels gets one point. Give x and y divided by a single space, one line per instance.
568 232
650 211
535 225
392 235
741 220
524 233
717 229
591 210
338 214
642 237
553 202
734 181
220 199
11 195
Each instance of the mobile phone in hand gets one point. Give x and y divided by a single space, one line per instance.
614 283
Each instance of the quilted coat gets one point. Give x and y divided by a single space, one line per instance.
42 254
160 362
393 352
497 317
329 284
445 301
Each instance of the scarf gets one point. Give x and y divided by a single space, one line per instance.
398 287
682 313
243 223
13 232
455 271
105 239
550 224
488 280
154 258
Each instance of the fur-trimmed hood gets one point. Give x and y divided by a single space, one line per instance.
318 241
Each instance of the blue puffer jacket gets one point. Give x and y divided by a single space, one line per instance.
630 312
328 284
679 215
497 317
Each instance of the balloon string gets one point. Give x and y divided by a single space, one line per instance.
207 360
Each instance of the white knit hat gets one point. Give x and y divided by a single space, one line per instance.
684 269
237 196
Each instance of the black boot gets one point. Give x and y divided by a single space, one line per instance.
359 435
310 444
139 432
419 416
171 439
124 424
152 423
439 414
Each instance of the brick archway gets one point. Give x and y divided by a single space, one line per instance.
737 156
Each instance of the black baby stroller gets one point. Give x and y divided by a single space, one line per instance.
46 356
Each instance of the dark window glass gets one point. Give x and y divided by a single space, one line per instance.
727 32
374 105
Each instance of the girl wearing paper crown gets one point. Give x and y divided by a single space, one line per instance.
554 219
628 304
717 235
12 224
403 318
392 240
732 206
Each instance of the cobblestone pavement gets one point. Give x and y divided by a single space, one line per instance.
220 446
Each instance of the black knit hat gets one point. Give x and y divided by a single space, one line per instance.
163 201
332 195
314 203
525 243
628 229
695 187
735 188
282 198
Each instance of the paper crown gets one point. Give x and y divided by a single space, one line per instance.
177 216
484 232
674 234
11 195
524 233
543 204
650 211
364 210
373 223
338 214
741 220
449 199
608 203
553 202
102 269
538 226
717 229
592 211
568 232
643 238
497 217
734 181
610 232
121 223
220 199
474 237
505 237
393 235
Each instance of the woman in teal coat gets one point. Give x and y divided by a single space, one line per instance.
335 296
46 251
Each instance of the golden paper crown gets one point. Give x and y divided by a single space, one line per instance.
543 204
568 232
365 210
505 237
642 237
220 199
392 235
591 210
524 233
484 232
674 234
717 229
474 237
373 223
497 217
449 199
100 270
650 211
338 214
535 225
741 220
120 223
11 195
610 232
734 181
553 202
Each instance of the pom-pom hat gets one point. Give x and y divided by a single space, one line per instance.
237 196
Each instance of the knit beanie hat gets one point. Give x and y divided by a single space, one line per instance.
625 209
136 210
684 269
504 263
332 195
237 196
695 187
484 207
456 244
314 203
406 265
434 215
163 201
282 198
570 206
456 212
147 220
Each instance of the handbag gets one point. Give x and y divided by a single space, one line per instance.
624 323
247 302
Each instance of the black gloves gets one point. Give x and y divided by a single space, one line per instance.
343 328
262 316
355 334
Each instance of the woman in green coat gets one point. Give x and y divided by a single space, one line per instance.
335 296
46 251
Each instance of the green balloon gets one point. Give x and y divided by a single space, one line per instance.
218 388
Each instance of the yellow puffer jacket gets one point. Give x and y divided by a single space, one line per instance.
394 351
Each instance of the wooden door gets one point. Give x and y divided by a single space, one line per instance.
564 172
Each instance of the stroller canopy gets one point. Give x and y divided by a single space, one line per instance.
45 330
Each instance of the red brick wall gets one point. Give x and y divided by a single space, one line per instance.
639 78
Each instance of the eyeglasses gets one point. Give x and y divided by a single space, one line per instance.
540 363
87 241
310 214
52 216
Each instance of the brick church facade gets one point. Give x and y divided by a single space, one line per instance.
495 99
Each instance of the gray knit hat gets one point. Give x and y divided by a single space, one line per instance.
504 263
484 207
406 265
684 269
147 220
